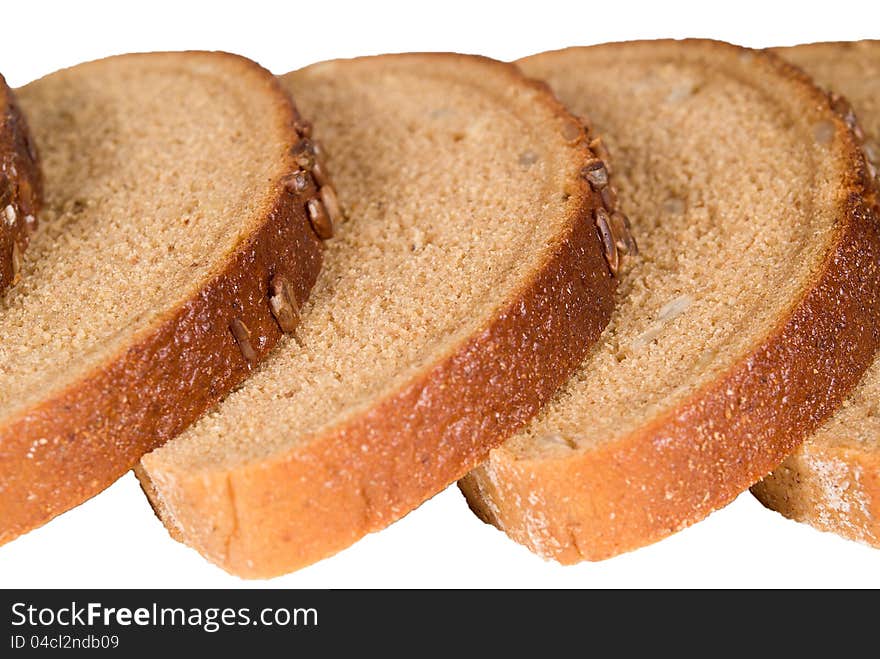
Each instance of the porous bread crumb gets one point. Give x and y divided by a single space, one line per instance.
145 197
444 221
729 235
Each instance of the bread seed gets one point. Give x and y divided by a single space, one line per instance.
597 146
609 197
633 246
9 212
320 219
297 182
331 203
283 304
243 339
320 174
620 227
609 244
596 174
304 154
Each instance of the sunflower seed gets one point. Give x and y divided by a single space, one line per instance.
609 244
242 337
320 219
282 302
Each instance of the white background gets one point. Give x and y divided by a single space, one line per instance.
115 541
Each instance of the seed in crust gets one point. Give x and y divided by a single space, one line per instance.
609 197
331 203
297 183
304 154
243 338
620 228
609 240
596 174
322 221
282 301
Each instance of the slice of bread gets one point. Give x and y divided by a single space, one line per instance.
146 297
467 284
750 315
833 480
20 187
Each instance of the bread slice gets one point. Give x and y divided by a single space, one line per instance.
833 480
752 312
467 284
20 187
146 297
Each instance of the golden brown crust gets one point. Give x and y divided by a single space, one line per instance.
272 517
700 455
21 186
167 376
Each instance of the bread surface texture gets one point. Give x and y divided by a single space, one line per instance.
751 313
144 297
20 187
465 286
833 480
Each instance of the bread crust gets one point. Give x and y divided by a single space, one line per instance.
313 500
699 455
168 374
21 186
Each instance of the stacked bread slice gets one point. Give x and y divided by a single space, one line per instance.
467 283
481 310
754 309
145 295
833 481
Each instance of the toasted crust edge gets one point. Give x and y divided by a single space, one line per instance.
309 503
171 372
705 459
21 185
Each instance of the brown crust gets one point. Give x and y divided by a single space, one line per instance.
21 185
700 455
312 501
167 376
